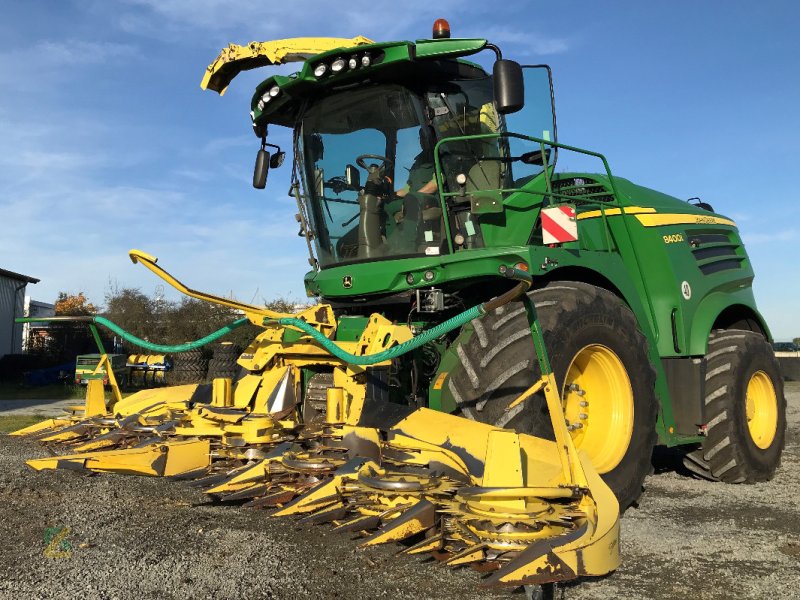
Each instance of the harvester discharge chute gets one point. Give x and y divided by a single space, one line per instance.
526 509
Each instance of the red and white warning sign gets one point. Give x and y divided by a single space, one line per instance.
559 224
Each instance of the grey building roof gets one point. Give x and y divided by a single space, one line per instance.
18 276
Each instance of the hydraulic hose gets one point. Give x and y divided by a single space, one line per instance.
129 337
524 279
460 319
393 352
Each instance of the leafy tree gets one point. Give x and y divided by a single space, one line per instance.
67 340
151 318
139 314
281 304
192 319
165 322
74 305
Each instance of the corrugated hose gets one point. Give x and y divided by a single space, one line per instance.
331 346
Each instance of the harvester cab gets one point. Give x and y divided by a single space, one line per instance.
498 346
380 128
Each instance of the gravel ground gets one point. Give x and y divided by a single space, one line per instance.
42 408
137 538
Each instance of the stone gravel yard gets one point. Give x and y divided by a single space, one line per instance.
133 537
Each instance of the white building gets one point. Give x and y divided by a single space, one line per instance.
12 305
35 308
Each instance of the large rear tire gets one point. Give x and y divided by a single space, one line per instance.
600 360
745 406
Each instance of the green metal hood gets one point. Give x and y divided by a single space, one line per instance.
286 94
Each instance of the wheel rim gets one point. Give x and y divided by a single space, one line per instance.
598 405
761 407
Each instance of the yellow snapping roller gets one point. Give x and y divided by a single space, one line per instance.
302 431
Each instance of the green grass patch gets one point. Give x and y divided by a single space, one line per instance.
58 391
13 422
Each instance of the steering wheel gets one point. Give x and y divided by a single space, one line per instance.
384 161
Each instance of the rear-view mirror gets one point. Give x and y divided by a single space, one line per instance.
509 86
261 170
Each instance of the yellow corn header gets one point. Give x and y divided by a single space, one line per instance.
526 510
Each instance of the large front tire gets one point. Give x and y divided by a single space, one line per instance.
600 360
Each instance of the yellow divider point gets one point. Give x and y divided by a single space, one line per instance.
503 467
95 399
161 459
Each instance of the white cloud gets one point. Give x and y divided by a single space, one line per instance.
39 65
782 236
199 175
35 151
72 209
208 14
271 20
218 146
77 235
81 52
526 43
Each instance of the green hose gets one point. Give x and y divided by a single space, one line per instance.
412 344
129 337
329 345
423 338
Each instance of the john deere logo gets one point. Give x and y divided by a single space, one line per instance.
347 281
56 543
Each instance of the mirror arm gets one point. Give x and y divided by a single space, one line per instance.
496 50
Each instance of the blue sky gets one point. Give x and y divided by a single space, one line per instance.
107 142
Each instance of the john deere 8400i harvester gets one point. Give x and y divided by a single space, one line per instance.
498 345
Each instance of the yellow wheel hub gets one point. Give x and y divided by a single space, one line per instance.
761 407
598 405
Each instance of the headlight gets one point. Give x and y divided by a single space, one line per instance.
320 70
352 63
264 99
337 65
365 60
274 91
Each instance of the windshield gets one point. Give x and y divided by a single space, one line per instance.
368 167
368 174
470 166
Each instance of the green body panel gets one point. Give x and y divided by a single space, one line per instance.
679 267
290 335
630 258
349 329
387 53
638 263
